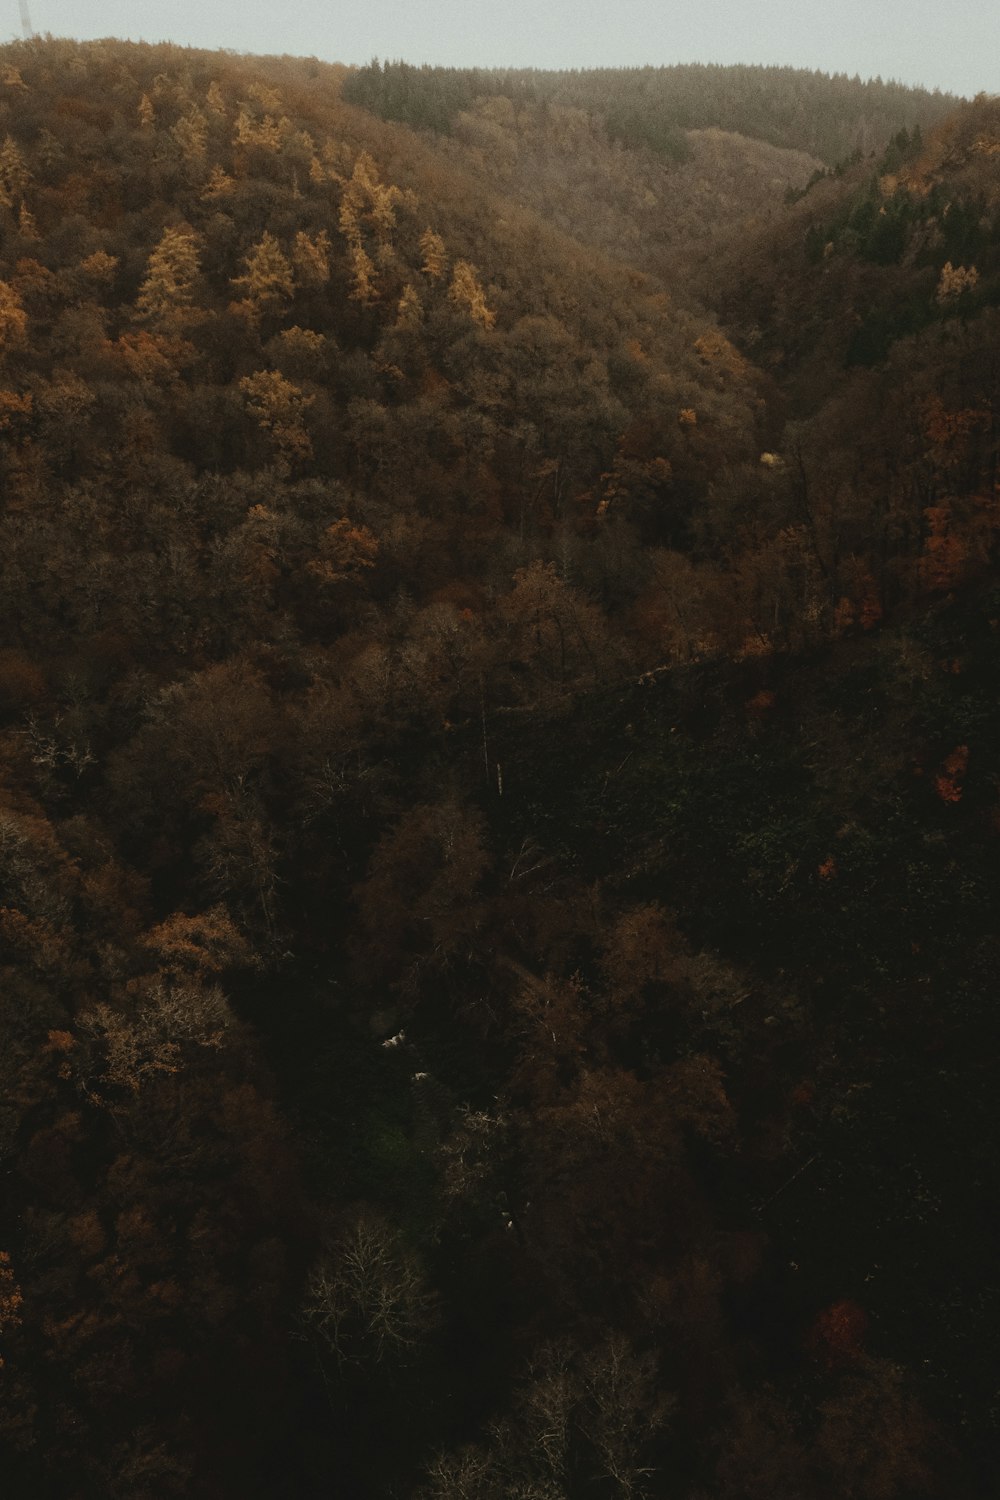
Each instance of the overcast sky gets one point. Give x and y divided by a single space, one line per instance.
946 44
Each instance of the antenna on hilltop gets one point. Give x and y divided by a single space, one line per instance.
26 25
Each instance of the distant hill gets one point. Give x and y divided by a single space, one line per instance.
627 201
893 248
829 116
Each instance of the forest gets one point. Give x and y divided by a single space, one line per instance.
499 781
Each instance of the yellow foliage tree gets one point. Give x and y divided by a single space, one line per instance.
278 407
363 288
99 267
268 282
311 258
367 204
264 133
13 318
266 97
955 280
191 135
719 354
366 199
14 174
433 251
466 290
214 100
219 184
166 296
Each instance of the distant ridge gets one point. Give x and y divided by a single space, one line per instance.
828 115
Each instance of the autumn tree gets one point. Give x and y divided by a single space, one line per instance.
167 297
13 318
191 134
435 258
14 174
552 628
278 407
465 290
268 281
311 258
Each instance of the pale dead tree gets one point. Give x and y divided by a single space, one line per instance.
475 1474
367 1300
626 1410
579 1415
466 1157
548 1405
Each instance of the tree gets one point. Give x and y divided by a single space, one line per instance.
11 1300
279 408
13 318
367 1299
435 259
14 174
581 1417
955 281
268 281
166 297
466 291
552 628
409 312
153 1033
347 551
874 1437
191 134
311 258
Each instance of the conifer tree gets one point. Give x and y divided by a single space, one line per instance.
311 257
214 100
13 318
14 175
466 290
268 282
166 297
433 251
409 313
191 135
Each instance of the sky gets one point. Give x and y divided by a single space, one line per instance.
953 45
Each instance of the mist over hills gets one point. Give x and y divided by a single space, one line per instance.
498 781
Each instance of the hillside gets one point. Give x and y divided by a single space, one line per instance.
627 203
896 245
498 783
651 108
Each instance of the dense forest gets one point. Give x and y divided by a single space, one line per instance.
654 108
499 782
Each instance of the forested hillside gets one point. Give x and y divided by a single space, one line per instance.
498 782
652 108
